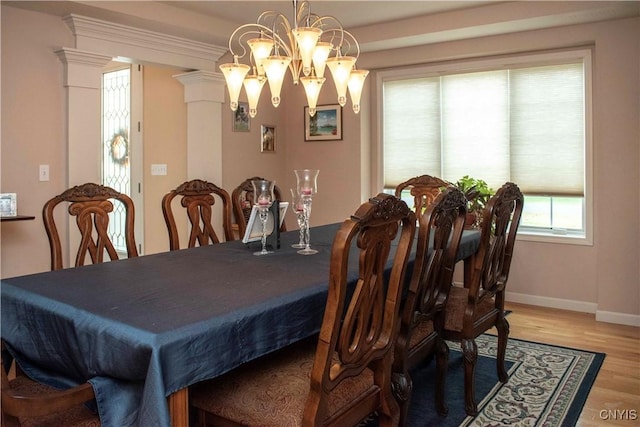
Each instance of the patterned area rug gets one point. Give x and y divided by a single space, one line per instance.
548 386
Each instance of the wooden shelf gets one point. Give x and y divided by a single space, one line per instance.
17 218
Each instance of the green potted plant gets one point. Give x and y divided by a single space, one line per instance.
478 193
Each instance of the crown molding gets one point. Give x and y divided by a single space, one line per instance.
132 44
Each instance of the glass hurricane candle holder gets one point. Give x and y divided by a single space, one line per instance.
307 187
298 210
262 199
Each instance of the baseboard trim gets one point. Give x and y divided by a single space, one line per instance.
619 318
563 304
572 305
580 306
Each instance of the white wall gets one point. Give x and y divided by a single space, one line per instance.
33 113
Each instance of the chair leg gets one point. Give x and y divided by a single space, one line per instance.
402 386
470 355
503 336
442 364
201 420
389 414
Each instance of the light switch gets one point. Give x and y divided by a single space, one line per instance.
158 169
44 173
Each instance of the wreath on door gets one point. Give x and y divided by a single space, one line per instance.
119 148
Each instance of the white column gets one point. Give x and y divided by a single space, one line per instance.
204 95
82 80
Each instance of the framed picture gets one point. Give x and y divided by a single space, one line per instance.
268 139
241 119
8 204
325 125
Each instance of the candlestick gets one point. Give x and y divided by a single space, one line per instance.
307 187
298 210
263 197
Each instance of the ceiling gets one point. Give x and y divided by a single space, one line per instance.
353 13
377 24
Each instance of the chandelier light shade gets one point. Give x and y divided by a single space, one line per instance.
306 39
312 86
340 68
305 47
253 86
320 55
355 84
275 67
234 75
261 49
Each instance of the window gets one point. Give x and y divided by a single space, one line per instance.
525 121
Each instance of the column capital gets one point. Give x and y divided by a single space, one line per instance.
82 69
202 86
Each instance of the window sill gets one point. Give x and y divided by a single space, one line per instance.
549 237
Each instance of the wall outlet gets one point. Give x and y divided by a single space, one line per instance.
159 169
43 174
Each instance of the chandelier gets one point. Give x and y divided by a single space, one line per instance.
272 45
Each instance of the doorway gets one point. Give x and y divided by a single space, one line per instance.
122 162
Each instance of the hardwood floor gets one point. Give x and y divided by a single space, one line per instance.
614 399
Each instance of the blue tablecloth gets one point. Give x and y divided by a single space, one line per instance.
142 328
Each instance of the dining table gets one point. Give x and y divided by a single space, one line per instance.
142 330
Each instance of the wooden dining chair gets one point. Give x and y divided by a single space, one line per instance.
424 189
198 197
479 305
242 199
28 403
343 375
422 320
91 204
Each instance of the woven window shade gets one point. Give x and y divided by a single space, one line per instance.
548 129
411 129
475 130
524 125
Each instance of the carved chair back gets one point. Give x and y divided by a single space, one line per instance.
424 189
91 204
479 305
198 199
439 236
499 228
359 328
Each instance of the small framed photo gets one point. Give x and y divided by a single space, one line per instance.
8 204
241 119
325 125
268 139
253 232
